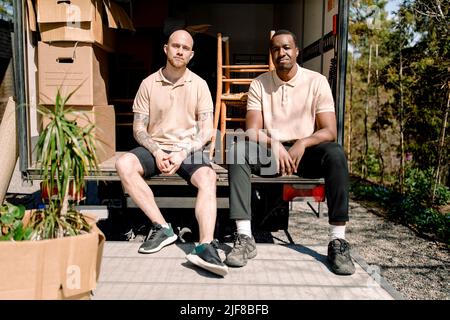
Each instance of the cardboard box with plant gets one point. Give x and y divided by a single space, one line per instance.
54 252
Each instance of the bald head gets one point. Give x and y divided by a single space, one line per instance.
181 36
179 49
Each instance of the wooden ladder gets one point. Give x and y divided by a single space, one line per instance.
227 76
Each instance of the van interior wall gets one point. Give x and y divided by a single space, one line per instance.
246 23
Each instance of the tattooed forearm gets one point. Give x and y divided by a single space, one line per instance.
204 116
204 131
140 133
205 127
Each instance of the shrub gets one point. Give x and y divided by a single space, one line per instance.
11 224
414 208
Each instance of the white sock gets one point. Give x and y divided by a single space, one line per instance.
165 225
244 227
337 232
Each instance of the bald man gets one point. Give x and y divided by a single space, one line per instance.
173 112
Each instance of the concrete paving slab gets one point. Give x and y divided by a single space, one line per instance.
279 272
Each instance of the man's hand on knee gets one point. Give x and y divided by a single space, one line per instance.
296 152
285 162
162 162
175 159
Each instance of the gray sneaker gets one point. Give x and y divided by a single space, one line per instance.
205 256
244 248
158 238
339 257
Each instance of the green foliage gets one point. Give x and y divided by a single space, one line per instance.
371 192
65 154
6 10
65 151
413 208
425 54
372 164
425 221
49 223
409 101
11 223
419 186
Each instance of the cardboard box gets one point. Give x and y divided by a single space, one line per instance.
63 268
68 66
89 21
105 128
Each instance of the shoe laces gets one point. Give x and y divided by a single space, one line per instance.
343 246
153 231
215 244
239 240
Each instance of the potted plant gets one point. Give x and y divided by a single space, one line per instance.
61 252
11 220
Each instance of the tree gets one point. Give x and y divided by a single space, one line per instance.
369 28
6 10
433 21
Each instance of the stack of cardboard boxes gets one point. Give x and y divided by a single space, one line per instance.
76 37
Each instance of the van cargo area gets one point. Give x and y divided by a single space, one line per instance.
109 47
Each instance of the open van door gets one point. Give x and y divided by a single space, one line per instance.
321 27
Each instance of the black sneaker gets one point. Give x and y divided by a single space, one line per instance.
244 248
205 256
339 257
158 238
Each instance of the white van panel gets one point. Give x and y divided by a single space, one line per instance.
313 21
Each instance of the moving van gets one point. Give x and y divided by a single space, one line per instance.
112 45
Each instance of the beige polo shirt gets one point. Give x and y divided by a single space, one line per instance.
173 108
289 108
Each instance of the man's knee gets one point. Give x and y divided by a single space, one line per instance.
334 154
334 150
205 178
126 165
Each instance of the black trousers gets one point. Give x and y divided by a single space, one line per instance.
326 160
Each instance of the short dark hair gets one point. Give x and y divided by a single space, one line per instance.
284 31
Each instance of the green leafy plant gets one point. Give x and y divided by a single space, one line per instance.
12 227
65 154
413 208
419 186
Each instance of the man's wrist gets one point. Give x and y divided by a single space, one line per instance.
303 142
155 151
186 150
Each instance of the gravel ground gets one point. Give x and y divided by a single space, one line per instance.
417 268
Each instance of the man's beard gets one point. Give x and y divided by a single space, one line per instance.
177 63
284 66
